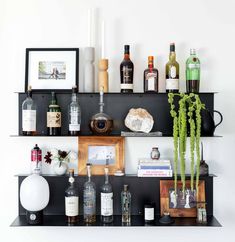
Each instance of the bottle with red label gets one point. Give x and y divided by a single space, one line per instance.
36 160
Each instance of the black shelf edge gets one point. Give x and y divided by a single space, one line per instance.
112 93
136 221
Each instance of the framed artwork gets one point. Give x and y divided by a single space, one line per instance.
182 205
51 69
100 152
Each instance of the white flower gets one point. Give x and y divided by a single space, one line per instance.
54 153
72 156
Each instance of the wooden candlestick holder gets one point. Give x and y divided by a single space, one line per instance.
103 79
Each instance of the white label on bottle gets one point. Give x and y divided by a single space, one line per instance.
54 119
74 117
74 127
173 71
106 204
151 81
126 86
29 120
71 206
149 213
172 84
194 66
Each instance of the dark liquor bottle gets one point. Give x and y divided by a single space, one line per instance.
74 114
106 200
127 71
126 205
53 117
192 72
172 71
151 77
101 123
89 198
29 111
71 200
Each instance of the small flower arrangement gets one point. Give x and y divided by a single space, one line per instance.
60 156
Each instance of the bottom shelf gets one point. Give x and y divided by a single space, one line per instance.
60 220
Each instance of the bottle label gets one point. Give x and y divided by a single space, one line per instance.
151 77
127 86
74 127
74 124
194 66
54 119
29 120
89 203
36 155
71 206
149 213
172 84
173 71
106 204
127 73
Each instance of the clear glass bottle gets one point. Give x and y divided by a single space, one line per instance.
29 114
106 200
192 73
126 205
74 114
172 71
72 200
127 71
151 77
101 123
89 198
53 117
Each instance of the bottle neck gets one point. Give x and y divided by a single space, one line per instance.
106 178
172 56
89 173
101 101
74 97
150 65
126 56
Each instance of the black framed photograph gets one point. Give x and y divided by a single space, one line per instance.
48 69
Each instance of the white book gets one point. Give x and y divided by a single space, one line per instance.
155 173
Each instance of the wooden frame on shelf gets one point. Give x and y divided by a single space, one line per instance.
101 151
166 186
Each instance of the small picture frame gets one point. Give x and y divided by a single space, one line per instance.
100 152
51 69
180 206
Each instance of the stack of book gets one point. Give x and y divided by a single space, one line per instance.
154 168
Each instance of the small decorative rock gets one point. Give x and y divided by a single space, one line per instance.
139 120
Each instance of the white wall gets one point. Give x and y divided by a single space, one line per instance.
148 26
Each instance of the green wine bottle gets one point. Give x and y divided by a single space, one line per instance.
192 72
172 71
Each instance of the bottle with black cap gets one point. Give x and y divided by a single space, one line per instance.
127 71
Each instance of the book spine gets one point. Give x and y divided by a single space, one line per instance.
155 173
154 167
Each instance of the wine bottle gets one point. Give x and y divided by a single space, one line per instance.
89 198
126 71
106 200
126 205
29 114
53 117
172 71
192 72
71 200
151 77
74 114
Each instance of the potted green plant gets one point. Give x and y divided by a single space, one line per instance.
188 111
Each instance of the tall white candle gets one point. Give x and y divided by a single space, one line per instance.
103 40
89 27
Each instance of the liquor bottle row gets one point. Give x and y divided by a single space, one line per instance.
151 74
89 200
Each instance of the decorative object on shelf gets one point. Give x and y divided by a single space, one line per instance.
48 69
139 120
166 219
155 153
119 173
151 77
201 213
89 69
34 197
61 160
101 152
101 123
72 200
192 73
127 71
126 205
29 114
36 160
149 213
74 114
190 107
208 125
138 134
204 168
53 117
180 203
103 79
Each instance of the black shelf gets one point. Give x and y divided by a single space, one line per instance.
136 221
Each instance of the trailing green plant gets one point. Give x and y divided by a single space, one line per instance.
189 108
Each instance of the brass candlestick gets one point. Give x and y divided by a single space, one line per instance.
103 79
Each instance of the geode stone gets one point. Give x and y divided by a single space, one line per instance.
139 120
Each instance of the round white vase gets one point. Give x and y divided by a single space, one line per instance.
60 168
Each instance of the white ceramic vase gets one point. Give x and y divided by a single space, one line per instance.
60 167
